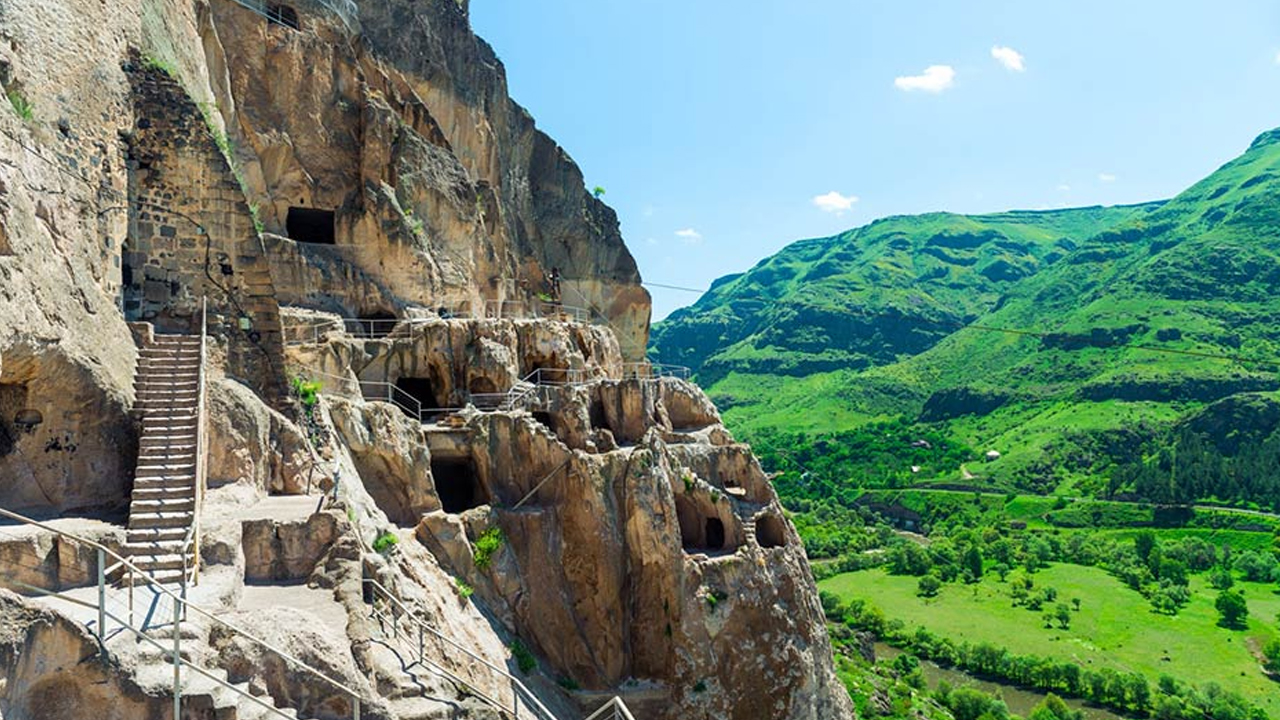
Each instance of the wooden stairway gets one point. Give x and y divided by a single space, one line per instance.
166 487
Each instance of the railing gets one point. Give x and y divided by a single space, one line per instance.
180 607
419 630
615 709
346 10
654 371
315 331
192 540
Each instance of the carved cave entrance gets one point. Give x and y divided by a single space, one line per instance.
421 389
13 403
283 15
714 535
374 326
770 532
309 225
457 484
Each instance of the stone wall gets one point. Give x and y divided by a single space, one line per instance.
192 235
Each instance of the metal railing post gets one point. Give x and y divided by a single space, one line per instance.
355 708
177 662
422 655
102 596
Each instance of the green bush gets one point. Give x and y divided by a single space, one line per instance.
524 659
489 542
385 542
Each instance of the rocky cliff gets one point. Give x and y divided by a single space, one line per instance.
422 328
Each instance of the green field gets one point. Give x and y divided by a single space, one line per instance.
1115 626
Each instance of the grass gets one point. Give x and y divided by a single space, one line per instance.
21 106
385 542
1115 626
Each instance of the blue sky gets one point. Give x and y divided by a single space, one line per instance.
723 131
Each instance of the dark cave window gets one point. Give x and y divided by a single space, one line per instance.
457 485
374 327
715 534
420 389
770 532
13 401
546 420
309 225
283 15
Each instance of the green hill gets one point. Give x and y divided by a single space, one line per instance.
1080 344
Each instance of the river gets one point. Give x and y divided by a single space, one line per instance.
1019 700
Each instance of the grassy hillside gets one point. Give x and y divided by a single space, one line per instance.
1114 626
1123 317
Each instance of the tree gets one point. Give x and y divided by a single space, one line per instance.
1221 578
1075 602
928 586
1233 611
1054 708
1062 614
973 562
1144 542
597 191
1272 653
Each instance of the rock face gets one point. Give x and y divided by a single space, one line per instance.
351 204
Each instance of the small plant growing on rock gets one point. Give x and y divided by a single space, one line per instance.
151 62
524 659
597 191
489 542
385 542
568 683
21 106
464 590
689 483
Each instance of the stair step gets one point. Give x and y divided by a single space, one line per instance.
161 519
158 547
166 561
152 504
154 535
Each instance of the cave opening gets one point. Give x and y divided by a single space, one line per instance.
284 16
13 409
546 419
457 484
374 326
714 536
770 532
309 225
597 415
422 391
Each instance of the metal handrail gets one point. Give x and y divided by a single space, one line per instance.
174 653
654 371
202 448
615 709
424 627
179 602
542 482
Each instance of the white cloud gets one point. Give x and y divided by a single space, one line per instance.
1064 188
689 235
934 79
1008 57
834 202
1107 178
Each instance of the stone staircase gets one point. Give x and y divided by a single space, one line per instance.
165 487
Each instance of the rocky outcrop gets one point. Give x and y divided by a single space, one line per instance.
196 164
